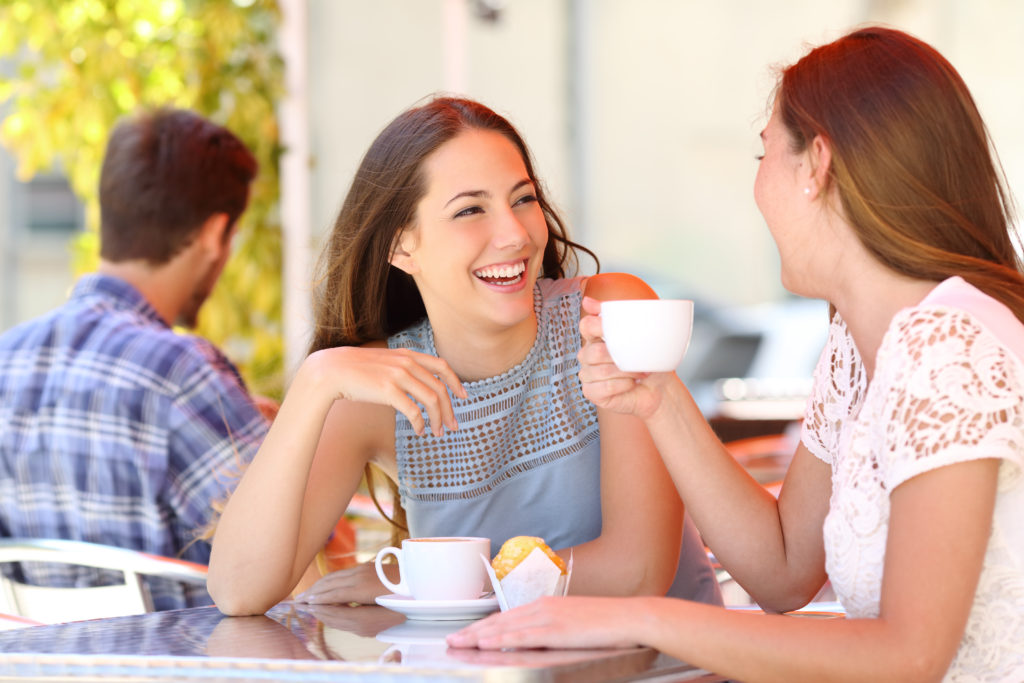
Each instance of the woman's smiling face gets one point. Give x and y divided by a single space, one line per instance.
477 244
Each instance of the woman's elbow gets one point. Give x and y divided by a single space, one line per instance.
784 598
645 580
235 600
926 668
239 606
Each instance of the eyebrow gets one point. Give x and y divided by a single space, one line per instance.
485 193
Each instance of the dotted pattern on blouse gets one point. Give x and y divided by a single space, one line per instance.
530 415
945 391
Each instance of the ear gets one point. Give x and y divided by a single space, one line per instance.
819 154
402 249
213 233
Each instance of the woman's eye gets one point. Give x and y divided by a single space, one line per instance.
525 199
758 157
469 211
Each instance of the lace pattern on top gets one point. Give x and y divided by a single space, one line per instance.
530 415
946 390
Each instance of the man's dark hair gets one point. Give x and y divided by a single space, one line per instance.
164 173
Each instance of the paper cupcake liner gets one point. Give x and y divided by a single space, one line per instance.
535 577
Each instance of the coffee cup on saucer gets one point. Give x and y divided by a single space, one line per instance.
438 568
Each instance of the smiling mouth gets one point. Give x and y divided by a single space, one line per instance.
504 275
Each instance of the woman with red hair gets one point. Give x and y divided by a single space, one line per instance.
907 490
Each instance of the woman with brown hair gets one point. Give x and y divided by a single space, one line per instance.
444 354
907 490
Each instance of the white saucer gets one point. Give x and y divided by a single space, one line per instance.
439 610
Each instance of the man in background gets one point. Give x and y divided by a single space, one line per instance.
114 428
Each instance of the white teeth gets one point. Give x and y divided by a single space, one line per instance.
510 270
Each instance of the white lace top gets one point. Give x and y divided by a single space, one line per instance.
948 388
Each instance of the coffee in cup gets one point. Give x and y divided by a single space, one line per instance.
438 568
647 335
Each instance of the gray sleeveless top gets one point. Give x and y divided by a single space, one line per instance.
526 459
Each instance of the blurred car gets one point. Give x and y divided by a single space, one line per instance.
755 362
750 362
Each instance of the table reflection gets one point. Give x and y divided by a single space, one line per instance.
298 641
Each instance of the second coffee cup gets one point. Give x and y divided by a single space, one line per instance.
438 568
647 335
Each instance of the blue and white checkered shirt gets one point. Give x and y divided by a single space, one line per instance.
115 429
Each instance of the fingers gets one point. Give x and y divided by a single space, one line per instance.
591 305
490 633
330 589
403 396
604 392
532 625
356 585
401 378
431 378
550 622
590 325
595 355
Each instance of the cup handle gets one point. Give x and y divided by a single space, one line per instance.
401 588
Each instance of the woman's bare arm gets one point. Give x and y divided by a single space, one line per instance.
337 416
641 514
939 528
772 548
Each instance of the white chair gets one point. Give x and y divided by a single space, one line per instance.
10 621
56 605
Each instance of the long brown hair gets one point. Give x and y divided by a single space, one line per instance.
911 158
359 296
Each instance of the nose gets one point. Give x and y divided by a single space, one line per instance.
509 232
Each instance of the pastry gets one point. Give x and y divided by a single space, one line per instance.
514 550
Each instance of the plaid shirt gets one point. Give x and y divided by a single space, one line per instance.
115 429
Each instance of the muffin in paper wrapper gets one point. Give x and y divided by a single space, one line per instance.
536 576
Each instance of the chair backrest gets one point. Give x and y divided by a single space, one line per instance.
9 621
55 605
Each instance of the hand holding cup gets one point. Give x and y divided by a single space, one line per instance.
613 387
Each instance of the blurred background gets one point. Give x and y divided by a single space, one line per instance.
643 117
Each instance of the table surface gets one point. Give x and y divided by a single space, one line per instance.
301 642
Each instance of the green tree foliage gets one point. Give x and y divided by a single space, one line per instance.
80 65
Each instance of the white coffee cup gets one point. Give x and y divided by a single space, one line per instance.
441 568
647 335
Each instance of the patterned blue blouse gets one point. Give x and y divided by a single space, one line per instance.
526 459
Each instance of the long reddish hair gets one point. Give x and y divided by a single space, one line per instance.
911 158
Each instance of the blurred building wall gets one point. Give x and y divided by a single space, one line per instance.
643 116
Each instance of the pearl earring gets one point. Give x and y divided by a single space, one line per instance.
807 190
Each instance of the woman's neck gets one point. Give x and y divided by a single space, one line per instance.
476 354
868 306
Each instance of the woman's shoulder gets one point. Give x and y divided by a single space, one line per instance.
952 323
603 286
971 312
611 286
